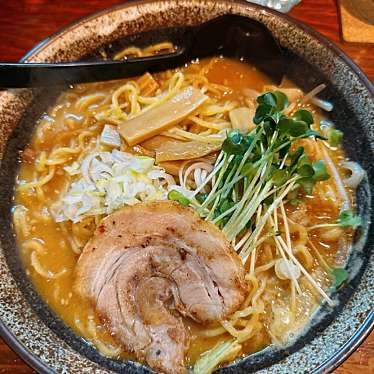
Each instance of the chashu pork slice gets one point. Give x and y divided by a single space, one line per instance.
149 264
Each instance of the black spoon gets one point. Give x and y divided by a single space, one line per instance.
229 35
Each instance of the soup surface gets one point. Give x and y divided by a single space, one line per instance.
291 246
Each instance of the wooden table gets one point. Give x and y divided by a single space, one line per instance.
23 23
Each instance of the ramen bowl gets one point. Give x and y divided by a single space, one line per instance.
42 339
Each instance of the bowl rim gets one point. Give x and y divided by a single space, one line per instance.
129 3
367 326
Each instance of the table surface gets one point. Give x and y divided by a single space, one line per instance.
23 23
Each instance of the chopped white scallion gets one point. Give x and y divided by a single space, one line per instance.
106 181
73 169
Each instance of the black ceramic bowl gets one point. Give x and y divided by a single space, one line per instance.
42 340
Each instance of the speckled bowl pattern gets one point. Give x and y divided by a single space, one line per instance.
43 340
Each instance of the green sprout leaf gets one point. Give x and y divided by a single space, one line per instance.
226 205
279 177
270 106
269 126
303 115
295 156
335 137
345 219
262 111
177 196
320 172
284 125
281 99
235 143
307 184
268 98
316 134
248 169
292 127
277 100
305 170
277 116
340 276
298 128
348 219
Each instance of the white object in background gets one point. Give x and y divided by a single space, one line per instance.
280 5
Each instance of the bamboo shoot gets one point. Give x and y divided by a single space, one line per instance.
177 150
162 117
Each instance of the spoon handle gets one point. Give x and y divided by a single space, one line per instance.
23 75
